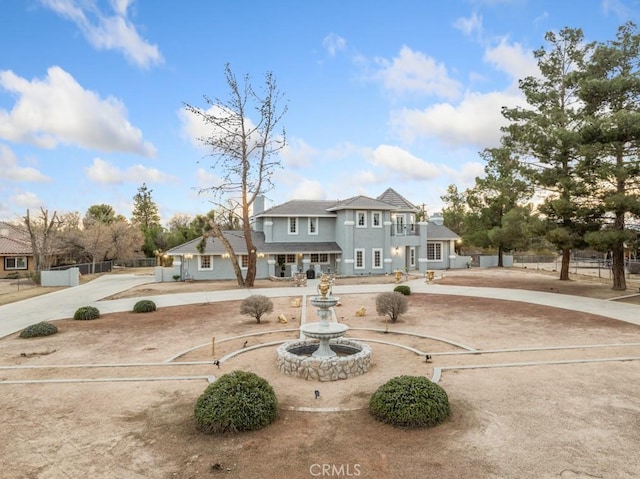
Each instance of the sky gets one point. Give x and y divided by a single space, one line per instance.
380 94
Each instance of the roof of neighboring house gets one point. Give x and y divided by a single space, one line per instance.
215 247
361 203
394 198
300 208
10 246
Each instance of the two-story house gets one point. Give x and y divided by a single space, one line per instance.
356 236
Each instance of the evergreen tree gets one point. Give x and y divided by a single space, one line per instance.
145 216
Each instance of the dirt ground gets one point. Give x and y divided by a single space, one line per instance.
535 392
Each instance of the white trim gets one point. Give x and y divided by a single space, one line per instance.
412 257
438 257
297 225
373 258
200 268
311 233
373 214
349 223
16 267
355 258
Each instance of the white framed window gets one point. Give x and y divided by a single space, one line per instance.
319 258
400 224
376 258
412 257
244 261
376 219
361 219
434 251
359 258
313 225
205 262
293 226
16 262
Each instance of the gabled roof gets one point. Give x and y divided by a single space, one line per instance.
236 237
394 198
440 232
361 203
300 208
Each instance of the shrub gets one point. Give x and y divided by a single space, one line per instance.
256 306
86 313
392 305
403 289
237 401
39 329
144 306
410 401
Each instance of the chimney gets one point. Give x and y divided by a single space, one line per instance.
258 205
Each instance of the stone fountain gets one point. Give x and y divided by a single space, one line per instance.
327 356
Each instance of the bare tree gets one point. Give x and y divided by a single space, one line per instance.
244 155
42 232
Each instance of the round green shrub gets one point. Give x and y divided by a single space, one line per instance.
144 306
39 329
237 401
403 288
410 401
86 313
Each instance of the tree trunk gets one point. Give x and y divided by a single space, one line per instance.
564 266
500 254
617 269
217 233
251 250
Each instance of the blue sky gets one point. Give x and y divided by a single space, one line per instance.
381 94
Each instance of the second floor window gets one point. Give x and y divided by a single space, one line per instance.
400 224
293 226
376 219
361 219
313 226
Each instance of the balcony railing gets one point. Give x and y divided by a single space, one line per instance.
405 230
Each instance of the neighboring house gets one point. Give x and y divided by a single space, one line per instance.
357 236
15 250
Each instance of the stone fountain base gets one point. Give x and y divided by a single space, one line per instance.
294 358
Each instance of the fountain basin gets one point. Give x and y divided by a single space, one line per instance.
295 358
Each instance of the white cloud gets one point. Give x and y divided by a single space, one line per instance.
104 172
306 189
414 72
206 179
297 154
58 110
617 8
25 199
512 59
401 164
333 44
108 32
474 121
471 26
10 170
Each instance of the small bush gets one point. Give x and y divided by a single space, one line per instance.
86 313
237 401
256 306
392 305
144 306
13 275
403 289
39 329
410 401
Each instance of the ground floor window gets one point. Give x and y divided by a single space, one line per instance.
412 257
206 262
359 257
377 258
319 258
434 251
17 262
244 260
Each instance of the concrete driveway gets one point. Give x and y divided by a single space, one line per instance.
63 303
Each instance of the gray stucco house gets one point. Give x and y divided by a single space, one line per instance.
356 236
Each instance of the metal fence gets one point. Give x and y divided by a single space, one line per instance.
599 267
135 263
87 268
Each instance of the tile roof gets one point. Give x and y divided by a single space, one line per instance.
10 246
236 238
394 198
300 208
361 203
